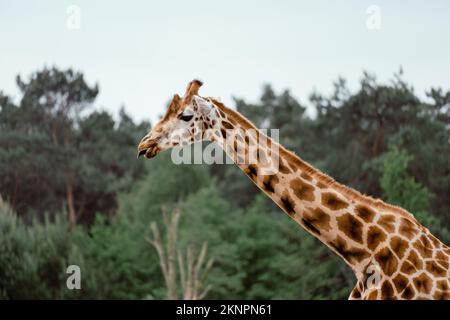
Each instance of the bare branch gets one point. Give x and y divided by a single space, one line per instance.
192 276
182 273
204 293
156 242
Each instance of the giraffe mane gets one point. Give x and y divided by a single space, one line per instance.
351 193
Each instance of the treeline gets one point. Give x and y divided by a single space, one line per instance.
74 193
56 153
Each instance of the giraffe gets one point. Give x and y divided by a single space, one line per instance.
391 254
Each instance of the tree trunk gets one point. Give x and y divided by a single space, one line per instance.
16 190
171 222
70 201
378 137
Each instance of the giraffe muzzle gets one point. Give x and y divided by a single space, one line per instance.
148 148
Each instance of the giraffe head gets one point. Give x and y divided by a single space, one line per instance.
186 121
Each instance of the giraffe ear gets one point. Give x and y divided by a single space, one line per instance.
173 107
192 88
175 104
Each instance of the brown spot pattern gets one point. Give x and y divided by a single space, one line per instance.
375 236
426 243
288 204
407 268
321 185
306 176
351 226
387 261
365 213
435 269
442 285
407 228
440 295
350 254
251 171
356 294
387 292
400 282
227 125
373 295
310 227
332 201
423 283
302 190
318 218
435 241
423 251
283 167
408 293
442 259
387 222
269 183
399 246
415 260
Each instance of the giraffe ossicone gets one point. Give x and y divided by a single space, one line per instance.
392 255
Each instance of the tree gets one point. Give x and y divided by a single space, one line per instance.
192 270
34 258
58 153
401 189
54 100
258 252
353 130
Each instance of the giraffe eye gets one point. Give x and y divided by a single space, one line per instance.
186 117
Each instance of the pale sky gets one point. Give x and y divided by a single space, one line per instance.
142 52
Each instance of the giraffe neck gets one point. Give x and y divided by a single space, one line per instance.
294 187
368 234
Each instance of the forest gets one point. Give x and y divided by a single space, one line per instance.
73 193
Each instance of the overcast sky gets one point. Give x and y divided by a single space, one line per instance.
142 52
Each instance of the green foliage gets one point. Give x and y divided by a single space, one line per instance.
34 258
401 189
118 264
398 187
52 144
56 154
259 254
163 183
129 266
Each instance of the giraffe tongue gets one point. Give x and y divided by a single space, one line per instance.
149 148
142 152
